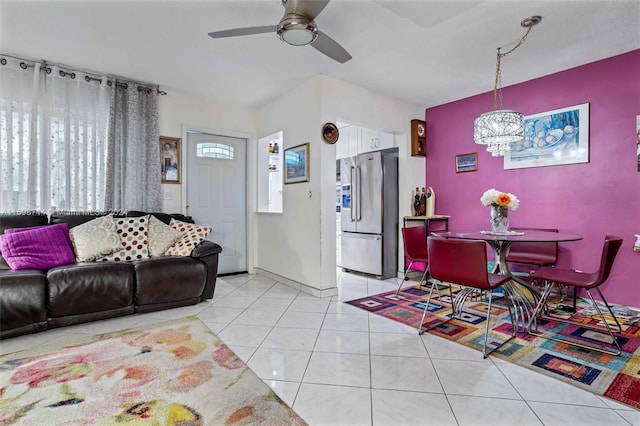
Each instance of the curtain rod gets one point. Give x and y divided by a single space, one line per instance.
24 64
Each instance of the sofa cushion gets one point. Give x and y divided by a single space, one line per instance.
89 288
40 247
168 282
95 238
133 237
161 236
192 235
22 302
26 218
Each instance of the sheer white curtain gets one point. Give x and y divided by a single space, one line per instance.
18 130
71 141
53 139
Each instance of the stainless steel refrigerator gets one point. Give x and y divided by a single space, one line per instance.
369 213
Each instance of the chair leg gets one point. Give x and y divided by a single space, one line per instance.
404 278
543 301
619 330
425 278
485 354
606 324
426 307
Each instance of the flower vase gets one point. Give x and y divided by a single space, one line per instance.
499 219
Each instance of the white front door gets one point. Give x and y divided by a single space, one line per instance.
216 194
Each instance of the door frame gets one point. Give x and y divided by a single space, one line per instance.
251 191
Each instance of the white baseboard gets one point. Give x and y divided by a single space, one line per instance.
298 286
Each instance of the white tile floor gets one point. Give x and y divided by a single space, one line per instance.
339 365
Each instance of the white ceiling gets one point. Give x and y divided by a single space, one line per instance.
425 52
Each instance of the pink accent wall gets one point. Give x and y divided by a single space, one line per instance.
592 200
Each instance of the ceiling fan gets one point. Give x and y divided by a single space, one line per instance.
298 28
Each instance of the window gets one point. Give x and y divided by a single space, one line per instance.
215 150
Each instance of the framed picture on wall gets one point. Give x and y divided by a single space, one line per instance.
467 162
552 138
296 164
170 167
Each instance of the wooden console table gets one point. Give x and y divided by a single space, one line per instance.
427 221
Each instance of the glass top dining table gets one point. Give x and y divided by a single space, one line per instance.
499 243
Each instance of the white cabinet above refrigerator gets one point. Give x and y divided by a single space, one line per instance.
356 140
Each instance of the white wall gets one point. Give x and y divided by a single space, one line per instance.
300 244
176 109
346 102
289 244
411 174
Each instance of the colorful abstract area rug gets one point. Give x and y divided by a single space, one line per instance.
615 377
172 373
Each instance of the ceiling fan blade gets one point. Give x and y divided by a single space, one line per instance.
331 48
309 8
243 31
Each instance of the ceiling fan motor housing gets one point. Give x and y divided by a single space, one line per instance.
297 30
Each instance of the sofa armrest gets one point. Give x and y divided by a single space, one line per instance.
207 253
206 248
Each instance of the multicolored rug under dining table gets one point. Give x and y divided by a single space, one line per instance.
615 377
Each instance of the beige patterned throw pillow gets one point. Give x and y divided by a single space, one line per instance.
133 239
95 238
192 236
161 236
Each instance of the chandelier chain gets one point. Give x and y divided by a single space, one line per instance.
497 88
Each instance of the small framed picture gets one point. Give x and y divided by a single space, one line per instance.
467 162
296 163
170 150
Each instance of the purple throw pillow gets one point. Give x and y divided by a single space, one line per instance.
39 247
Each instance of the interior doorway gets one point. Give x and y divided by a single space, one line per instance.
216 193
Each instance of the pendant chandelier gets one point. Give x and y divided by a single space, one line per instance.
497 129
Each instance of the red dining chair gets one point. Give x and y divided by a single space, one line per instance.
536 254
415 250
464 262
552 277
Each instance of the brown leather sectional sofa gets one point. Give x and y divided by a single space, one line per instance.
36 300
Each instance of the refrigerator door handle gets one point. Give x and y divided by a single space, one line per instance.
372 237
354 199
359 189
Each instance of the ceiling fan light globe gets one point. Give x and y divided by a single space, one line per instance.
297 30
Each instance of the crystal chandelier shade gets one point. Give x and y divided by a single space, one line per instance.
497 129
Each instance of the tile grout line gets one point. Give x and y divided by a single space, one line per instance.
444 391
295 398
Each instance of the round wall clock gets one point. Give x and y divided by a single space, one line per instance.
330 133
421 130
